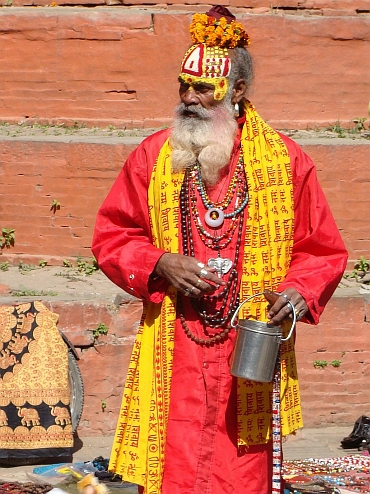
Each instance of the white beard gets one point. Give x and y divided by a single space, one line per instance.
208 137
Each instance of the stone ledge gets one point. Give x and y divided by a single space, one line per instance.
36 172
285 7
94 74
28 131
104 360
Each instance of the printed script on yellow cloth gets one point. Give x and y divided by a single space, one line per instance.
139 444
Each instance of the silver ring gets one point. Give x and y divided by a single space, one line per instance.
203 273
201 265
191 289
199 282
285 296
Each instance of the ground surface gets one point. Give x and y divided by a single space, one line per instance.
307 443
81 131
54 283
20 283
67 283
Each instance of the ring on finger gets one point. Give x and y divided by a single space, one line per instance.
285 296
203 273
297 313
187 292
201 265
199 282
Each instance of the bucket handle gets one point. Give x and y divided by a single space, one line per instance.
234 324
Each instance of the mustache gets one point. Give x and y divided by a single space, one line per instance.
183 110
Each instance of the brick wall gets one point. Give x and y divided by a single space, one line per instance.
322 7
343 171
119 65
335 395
79 175
330 395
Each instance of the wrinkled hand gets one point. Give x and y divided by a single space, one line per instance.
279 307
188 274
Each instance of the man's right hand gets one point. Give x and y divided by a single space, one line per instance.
188 274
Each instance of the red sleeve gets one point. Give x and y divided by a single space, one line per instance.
319 256
122 242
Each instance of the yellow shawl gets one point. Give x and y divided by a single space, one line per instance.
139 445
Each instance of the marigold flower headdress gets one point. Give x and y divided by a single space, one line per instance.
221 32
208 59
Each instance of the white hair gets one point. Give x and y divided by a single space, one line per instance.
208 137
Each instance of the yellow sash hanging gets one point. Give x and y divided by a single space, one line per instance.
267 253
139 443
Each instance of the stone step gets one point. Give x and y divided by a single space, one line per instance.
78 171
119 65
333 358
82 304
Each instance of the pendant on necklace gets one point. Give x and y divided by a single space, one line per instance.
214 217
221 265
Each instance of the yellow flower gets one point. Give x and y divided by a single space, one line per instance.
212 40
217 32
202 18
222 22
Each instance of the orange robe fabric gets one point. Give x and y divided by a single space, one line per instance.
201 451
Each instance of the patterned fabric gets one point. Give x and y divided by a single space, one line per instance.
141 432
267 253
35 418
140 437
203 64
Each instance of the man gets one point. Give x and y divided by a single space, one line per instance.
202 216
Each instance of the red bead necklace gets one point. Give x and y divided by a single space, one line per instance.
228 296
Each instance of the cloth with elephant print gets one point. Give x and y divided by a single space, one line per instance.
35 418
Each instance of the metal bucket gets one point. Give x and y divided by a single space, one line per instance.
256 347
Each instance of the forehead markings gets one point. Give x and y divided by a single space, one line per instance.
207 65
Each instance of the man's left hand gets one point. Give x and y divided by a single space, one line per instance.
280 310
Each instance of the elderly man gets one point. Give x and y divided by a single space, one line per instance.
203 215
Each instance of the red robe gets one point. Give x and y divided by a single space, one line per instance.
202 456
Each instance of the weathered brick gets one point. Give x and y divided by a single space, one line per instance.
104 385
82 45
77 47
58 170
330 395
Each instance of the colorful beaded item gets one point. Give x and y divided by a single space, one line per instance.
237 178
215 215
276 432
350 472
229 295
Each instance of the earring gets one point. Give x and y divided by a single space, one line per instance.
236 110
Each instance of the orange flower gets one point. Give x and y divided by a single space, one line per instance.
223 22
217 32
202 18
212 40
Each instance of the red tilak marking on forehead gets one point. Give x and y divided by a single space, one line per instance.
200 61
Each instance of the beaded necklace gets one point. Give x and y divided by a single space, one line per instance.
228 296
236 178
